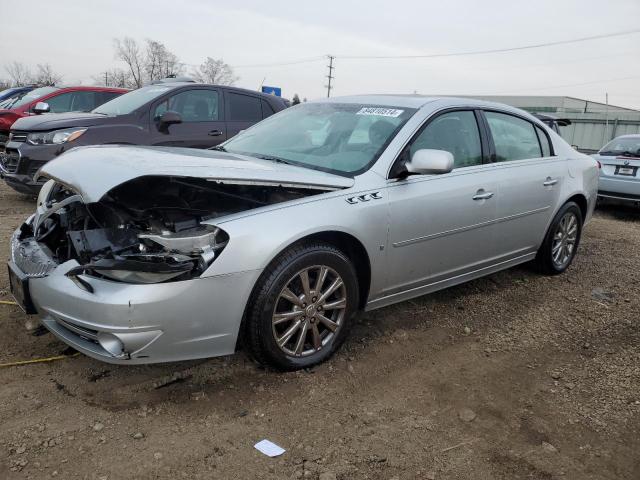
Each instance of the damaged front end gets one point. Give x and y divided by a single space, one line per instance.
147 230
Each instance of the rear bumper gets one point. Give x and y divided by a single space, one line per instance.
136 324
619 189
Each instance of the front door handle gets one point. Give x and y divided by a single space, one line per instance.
550 182
482 195
215 133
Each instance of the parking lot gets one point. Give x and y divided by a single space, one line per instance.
512 376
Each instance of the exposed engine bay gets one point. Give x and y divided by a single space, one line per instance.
147 230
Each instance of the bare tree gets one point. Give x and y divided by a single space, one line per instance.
46 75
160 62
116 77
19 74
215 71
130 53
295 100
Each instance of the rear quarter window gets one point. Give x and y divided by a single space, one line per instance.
545 144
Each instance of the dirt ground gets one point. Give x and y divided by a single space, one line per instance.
511 376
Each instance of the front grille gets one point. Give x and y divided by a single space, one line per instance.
9 160
20 137
30 258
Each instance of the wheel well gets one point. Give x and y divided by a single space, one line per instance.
352 248
582 203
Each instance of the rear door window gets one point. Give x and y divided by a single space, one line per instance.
514 138
106 96
84 101
243 108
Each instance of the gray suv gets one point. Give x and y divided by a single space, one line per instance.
180 114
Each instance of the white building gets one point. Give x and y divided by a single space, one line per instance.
592 124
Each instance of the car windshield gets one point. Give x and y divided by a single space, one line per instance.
131 101
29 97
622 145
334 137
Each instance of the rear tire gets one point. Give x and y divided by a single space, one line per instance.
561 241
302 306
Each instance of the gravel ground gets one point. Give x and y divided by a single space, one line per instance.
512 376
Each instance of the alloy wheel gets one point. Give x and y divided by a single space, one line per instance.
564 240
309 311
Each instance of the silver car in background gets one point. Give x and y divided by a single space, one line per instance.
276 238
619 172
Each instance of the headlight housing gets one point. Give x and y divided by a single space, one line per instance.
56 137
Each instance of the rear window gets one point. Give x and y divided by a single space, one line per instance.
620 145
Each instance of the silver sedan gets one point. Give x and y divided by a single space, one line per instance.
279 236
620 169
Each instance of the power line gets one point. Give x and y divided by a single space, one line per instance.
495 50
282 64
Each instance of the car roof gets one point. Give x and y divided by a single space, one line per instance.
177 84
419 101
90 87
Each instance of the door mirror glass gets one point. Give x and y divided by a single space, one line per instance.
41 107
427 161
168 118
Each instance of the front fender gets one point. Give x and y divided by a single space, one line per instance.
255 240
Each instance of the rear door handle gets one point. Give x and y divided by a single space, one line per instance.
215 133
550 181
482 195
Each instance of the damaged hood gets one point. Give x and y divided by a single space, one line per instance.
92 171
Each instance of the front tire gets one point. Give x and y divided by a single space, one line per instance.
301 309
561 242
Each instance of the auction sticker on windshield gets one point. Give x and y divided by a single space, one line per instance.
381 112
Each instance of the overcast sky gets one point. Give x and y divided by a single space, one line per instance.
76 38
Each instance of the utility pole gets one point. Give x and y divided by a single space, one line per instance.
106 79
330 76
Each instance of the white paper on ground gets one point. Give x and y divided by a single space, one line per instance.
269 448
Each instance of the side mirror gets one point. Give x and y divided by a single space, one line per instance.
427 161
41 107
168 118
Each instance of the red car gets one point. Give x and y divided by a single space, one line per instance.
54 100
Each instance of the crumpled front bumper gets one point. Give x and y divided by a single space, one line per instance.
134 324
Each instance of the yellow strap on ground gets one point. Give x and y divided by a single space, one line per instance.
7 302
37 360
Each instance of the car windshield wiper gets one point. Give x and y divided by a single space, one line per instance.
627 153
219 148
271 158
